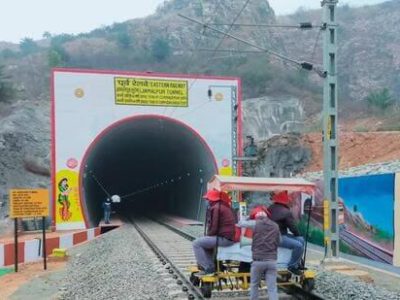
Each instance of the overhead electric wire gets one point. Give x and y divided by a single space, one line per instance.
305 25
316 43
189 62
227 56
99 183
190 59
221 50
145 189
217 47
305 65
241 40
157 185
202 9
231 25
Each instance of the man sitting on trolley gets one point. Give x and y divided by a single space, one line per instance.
281 214
220 220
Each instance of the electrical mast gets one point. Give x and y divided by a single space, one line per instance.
330 132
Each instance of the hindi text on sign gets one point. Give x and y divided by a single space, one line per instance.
151 92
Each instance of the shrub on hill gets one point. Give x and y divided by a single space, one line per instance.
6 88
381 99
160 49
28 46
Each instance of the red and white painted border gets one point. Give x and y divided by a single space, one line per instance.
32 250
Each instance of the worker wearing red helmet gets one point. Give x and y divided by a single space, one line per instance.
264 247
256 210
220 221
281 214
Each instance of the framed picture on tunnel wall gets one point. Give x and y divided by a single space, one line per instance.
137 136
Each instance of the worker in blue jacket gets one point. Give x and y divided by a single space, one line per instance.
107 210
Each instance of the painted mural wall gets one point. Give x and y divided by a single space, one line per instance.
368 226
368 219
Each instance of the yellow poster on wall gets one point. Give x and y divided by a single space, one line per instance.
225 171
68 205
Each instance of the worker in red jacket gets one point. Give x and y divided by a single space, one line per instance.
281 214
220 221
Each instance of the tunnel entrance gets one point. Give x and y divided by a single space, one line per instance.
154 163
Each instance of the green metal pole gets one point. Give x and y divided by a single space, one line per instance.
330 133
235 139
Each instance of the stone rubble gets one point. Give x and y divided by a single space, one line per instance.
117 265
334 286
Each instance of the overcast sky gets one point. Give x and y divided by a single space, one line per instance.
30 18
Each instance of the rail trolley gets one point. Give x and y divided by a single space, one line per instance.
233 262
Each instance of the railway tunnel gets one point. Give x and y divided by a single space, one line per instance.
154 163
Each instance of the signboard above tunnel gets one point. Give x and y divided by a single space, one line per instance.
126 133
151 92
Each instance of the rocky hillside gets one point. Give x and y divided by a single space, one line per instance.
369 47
268 116
24 149
280 98
356 148
162 42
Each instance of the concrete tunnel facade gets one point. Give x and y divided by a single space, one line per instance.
153 139
155 164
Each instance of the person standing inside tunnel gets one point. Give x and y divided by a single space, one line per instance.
220 221
281 214
107 210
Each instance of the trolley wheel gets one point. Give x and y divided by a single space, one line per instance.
286 277
194 279
308 284
206 289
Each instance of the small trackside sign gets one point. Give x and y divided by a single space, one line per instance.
29 203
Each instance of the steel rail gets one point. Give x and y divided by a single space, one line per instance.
299 292
193 292
182 233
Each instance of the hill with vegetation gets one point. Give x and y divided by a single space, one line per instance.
163 42
369 48
368 58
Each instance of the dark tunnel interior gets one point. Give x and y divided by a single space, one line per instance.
155 164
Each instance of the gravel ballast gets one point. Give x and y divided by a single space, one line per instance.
334 286
117 265
331 285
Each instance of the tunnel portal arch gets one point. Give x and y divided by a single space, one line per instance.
132 131
154 163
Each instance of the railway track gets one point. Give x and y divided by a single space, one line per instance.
173 251
173 247
368 249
